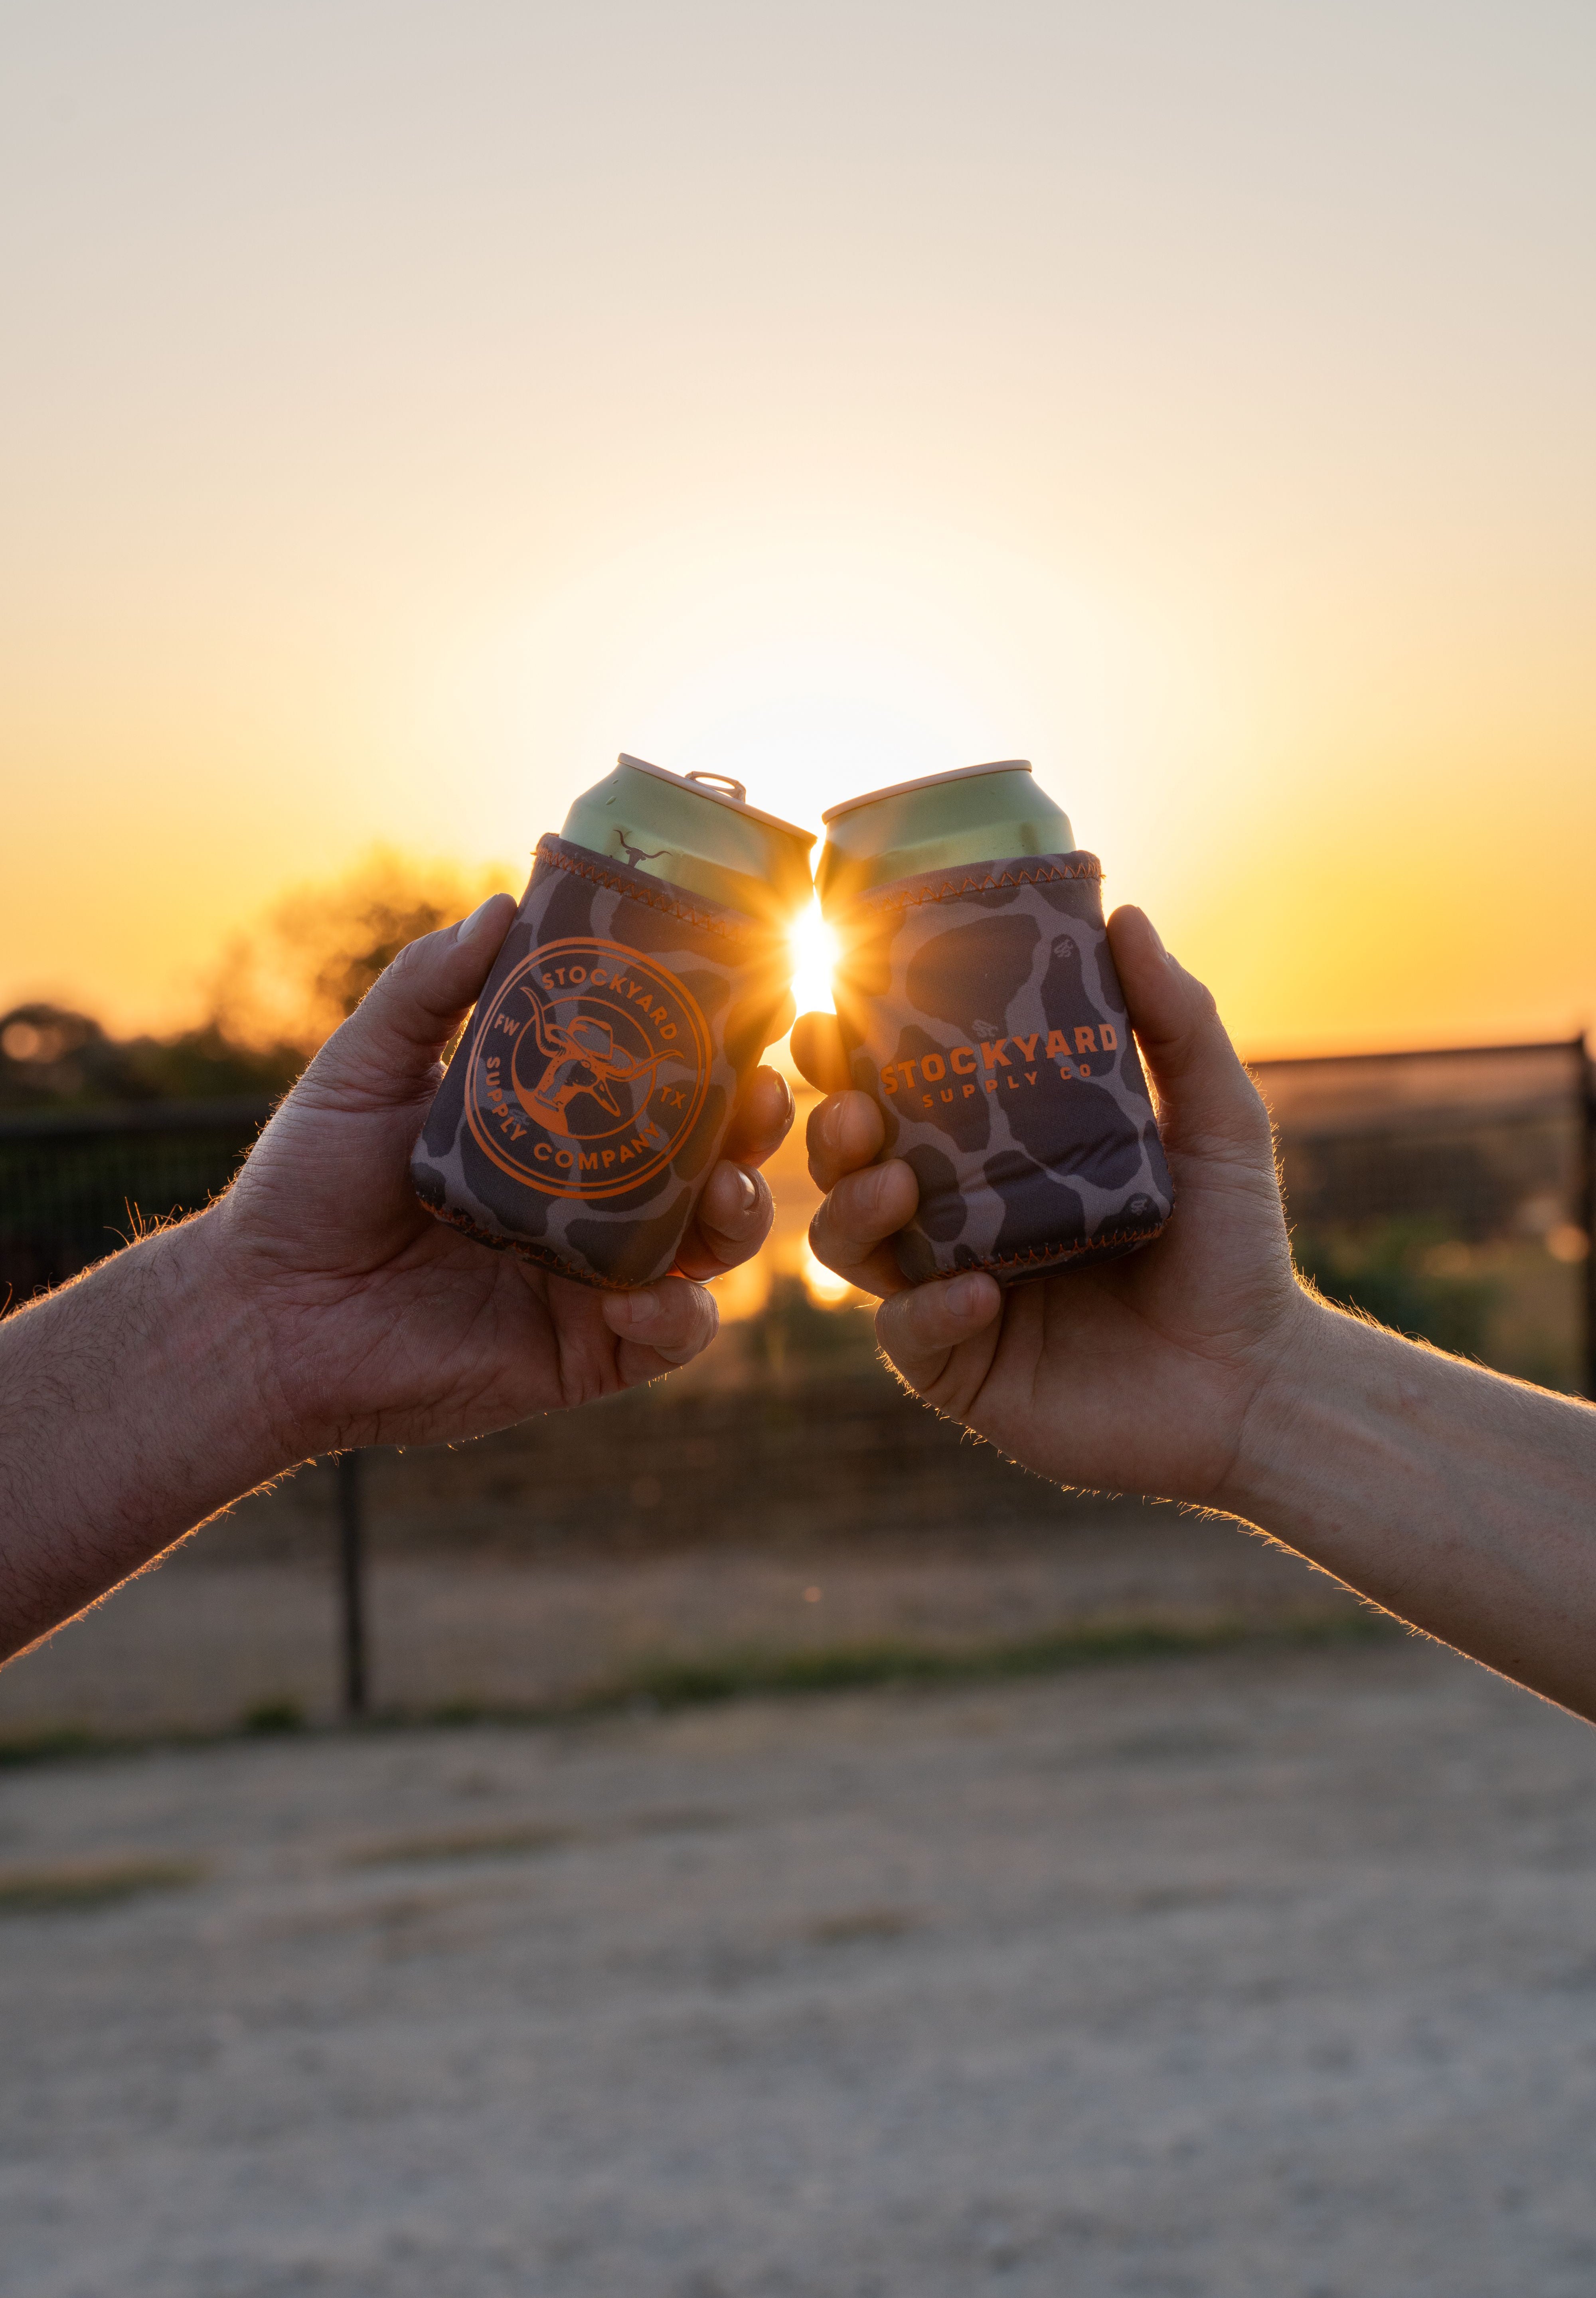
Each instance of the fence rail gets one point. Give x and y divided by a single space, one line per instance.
74 1185
1451 1191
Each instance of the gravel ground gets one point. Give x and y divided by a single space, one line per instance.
1272 1972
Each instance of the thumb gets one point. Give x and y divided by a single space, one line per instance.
386 1054
1205 1098
942 1337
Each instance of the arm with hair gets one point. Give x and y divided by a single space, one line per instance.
317 1305
134 1403
1201 1369
1459 1499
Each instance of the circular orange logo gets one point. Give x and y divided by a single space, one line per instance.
588 1070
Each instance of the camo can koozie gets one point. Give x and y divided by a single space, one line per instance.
588 1101
980 1007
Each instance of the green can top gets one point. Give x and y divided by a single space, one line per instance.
697 831
977 814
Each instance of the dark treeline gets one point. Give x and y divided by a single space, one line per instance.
52 1058
278 991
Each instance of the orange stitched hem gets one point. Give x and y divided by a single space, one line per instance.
524 1249
652 893
950 889
1041 1256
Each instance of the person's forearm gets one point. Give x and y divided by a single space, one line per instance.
133 1404
1464 1503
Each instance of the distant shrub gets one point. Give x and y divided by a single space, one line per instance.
1386 1270
279 990
52 1057
294 977
792 1329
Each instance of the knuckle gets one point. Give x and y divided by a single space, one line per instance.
1204 1004
406 963
691 1320
1256 1107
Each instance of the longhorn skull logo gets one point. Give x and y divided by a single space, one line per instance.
580 1056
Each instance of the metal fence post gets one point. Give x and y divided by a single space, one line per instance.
351 1579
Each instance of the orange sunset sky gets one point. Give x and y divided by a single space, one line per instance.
407 407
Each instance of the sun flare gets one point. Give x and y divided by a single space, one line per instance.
813 957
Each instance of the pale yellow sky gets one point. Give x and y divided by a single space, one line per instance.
406 408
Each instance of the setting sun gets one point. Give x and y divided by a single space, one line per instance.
813 957
1268 543
822 1284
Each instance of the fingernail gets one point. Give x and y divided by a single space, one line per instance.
964 1295
746 1189
789 1106
637 1308
468 926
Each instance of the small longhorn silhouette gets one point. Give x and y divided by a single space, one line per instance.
580 1056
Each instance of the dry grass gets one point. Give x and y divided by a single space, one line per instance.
488 1843
862 1923
667 1682
88 1884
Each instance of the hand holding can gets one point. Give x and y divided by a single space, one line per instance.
977 1003
648 967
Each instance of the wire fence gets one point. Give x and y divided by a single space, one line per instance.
1450 1194
784 1490
75 1185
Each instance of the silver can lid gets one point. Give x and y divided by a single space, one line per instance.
724 789
925 781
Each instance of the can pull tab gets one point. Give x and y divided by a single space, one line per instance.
720 782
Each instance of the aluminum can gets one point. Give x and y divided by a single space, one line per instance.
980 1007
645 972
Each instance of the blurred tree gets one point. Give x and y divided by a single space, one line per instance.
279 990
52 1057
1387 1269
794 1334
292 980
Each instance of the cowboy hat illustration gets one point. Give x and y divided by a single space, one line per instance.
580 1056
